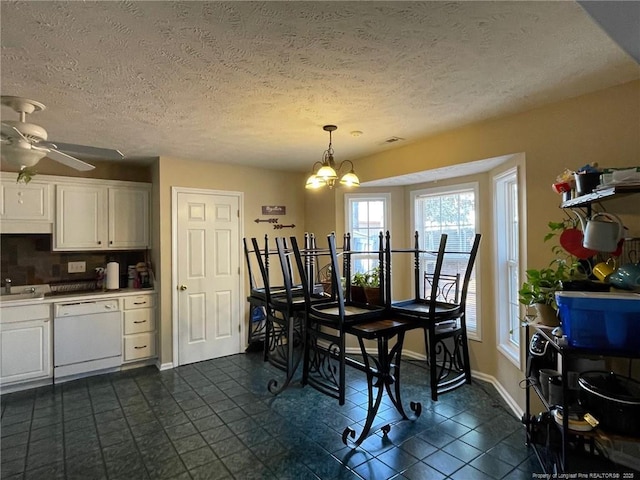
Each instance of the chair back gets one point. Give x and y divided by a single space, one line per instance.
331 270
262 259
335 275
451 288
467 273
447 288
337 297
291 289
435 277
249 256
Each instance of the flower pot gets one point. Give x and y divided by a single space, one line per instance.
546 315
372 295
357 294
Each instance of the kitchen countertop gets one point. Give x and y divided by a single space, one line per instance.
76 296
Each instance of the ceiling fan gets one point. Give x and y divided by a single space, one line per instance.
25 144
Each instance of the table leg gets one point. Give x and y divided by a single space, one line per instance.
381 377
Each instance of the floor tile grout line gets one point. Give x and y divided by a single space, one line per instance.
26 455
163 428
137 447
104 461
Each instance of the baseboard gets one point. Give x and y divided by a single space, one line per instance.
513 405
17 387
164 366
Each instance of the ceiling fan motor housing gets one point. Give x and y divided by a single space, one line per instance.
30 130
22 154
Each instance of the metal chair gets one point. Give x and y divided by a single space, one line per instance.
325 363
443 312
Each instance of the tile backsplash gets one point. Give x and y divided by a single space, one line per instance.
29 260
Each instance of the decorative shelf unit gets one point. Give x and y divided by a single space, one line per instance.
599 195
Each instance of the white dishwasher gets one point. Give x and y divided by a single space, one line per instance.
87 336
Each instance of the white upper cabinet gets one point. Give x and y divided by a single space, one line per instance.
81 217
25 208
98 217
128 217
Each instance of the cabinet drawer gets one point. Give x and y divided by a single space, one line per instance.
25 312
137 347
138 321
138 301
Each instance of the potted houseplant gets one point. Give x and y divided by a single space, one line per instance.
365 287
539 288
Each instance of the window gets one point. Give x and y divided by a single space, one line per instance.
507 226
452 210
367 216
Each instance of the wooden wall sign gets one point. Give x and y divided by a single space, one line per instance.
274 210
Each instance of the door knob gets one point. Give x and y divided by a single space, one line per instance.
182 288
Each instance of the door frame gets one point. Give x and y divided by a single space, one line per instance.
174 262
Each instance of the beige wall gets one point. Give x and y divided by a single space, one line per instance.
259 187
112 170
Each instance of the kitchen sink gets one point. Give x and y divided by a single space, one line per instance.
6 297
25 292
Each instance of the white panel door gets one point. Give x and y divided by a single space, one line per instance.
208 249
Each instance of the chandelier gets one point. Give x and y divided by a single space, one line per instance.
327 173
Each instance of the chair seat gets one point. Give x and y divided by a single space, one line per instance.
353 312
421 308
386 327
274 291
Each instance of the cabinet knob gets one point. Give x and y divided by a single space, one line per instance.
182 288
99 242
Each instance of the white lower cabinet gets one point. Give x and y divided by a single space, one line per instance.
139 340
25 344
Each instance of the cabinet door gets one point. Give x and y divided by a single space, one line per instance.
25 350
128 217
25 208
80 217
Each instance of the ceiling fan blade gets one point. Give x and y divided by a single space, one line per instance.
69 161
84 150
9 131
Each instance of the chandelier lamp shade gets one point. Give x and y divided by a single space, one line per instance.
325 173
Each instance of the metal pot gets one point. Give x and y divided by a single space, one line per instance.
613 400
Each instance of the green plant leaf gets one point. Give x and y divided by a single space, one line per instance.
25 175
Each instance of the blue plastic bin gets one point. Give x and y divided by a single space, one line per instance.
600 319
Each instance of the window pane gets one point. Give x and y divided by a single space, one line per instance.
507 235
453 213
366 218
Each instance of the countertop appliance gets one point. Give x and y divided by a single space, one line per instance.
87 336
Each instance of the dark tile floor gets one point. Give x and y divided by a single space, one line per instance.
216 420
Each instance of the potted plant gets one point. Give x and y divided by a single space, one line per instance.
541 285
365 287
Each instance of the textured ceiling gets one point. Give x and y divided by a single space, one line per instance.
253 82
